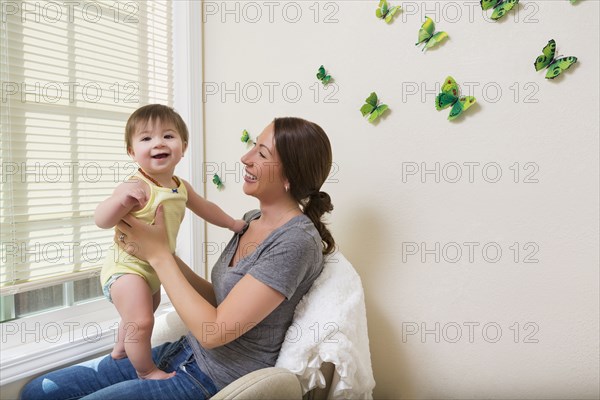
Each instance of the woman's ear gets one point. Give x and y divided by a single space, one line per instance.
185 144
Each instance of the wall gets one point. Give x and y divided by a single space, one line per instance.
472 323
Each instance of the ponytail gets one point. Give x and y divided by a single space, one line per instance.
319 203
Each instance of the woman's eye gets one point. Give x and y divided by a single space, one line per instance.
261 154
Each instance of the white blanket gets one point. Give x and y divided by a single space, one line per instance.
330 325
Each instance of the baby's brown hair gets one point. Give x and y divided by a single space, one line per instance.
152 112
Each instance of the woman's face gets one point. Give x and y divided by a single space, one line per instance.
263 177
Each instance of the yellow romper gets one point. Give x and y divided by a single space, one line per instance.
174 203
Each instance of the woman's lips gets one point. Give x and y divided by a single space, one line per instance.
248 177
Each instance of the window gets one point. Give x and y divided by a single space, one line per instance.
71 74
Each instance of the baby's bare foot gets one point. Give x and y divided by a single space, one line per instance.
157 374
117 354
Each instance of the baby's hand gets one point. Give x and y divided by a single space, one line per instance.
238 225
134 198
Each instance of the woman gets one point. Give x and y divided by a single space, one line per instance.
238 323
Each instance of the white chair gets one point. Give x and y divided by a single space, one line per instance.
326 351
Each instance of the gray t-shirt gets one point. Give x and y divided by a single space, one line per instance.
288 260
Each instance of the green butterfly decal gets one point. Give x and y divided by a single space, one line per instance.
427 36
450 96
217 181
323 76
501 7
385 12
372 109
573 1
245 137
555 66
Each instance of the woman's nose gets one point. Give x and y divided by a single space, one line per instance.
245 159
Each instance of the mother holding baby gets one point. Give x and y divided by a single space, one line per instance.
238 322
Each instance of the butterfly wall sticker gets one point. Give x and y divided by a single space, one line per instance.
217 181
372 108
245 137
427 35
385 12
555 65
323 76
450 96
501 7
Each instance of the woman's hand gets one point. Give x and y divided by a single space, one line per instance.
146 242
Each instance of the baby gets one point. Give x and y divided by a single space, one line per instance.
156 138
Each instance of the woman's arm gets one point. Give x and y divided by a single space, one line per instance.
127 196
201 285
248 303
210 212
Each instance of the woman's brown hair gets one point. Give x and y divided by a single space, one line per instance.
306 158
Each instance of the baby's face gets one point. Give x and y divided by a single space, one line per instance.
157 147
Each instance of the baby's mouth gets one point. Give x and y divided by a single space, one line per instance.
160 156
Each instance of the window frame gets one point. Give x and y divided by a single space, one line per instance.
77 325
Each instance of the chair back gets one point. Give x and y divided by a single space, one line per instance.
327 344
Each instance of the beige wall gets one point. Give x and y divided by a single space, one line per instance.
383 214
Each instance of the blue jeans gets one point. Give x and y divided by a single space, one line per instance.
108 379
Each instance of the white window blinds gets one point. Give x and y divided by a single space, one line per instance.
71 74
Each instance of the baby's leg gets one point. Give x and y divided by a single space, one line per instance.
134 301
156 300
118 351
